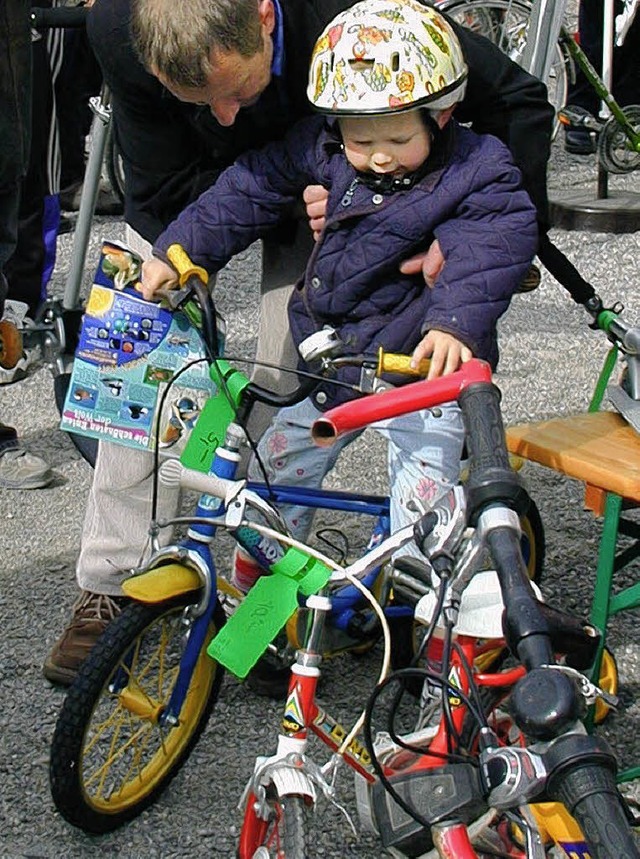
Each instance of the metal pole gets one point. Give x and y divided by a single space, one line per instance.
542 37
607 52
90 186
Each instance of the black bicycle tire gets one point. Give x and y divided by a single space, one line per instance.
449 7
611 132
112 162
65 769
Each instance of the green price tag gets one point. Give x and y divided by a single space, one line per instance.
265 610
218 412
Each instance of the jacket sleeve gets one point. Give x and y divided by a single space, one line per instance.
504 100
248 200
488 244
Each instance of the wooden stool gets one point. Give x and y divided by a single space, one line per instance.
603 451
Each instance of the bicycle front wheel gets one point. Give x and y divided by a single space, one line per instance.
111 753
281 836
506 23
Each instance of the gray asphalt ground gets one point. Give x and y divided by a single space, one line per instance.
550 360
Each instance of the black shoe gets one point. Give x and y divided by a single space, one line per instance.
579 141
270 675
70 197
65 225
106 202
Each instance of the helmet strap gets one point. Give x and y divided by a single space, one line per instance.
442 143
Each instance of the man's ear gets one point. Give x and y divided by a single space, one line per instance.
267 15
443 116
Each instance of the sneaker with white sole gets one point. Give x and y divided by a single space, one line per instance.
29 362
22 470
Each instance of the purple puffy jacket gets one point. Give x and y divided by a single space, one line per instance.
475 206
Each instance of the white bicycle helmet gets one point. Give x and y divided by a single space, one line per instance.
384 56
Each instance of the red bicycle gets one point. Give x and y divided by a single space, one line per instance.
469 777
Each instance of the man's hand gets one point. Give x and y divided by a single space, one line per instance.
430 263
446 352
315 199
156 275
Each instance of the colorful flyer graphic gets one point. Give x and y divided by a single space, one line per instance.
128 354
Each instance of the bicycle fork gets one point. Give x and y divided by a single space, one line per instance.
289 772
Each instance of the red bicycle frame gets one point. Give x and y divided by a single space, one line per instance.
302 715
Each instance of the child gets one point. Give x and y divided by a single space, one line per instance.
386 75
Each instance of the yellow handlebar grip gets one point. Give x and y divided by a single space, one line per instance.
179 259
389 362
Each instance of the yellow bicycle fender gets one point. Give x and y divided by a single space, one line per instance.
555 822
161 584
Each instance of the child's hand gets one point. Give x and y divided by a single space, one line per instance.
156 275
315 199
445 351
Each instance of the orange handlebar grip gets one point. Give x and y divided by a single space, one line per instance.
389 362
179 259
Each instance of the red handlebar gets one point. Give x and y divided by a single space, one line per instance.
424 394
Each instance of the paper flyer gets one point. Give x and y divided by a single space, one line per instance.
128 352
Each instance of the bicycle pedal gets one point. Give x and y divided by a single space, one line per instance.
574 116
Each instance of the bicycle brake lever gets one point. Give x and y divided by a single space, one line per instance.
439 529
175 297
588 690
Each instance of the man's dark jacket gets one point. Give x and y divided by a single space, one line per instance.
172 151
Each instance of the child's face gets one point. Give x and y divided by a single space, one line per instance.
396 143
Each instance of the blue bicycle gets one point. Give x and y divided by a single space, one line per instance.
145 693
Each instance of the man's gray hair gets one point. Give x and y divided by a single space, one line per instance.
174 38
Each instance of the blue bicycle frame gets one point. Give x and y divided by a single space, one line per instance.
346 600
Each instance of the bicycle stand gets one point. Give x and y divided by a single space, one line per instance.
57 322
612 211
607 212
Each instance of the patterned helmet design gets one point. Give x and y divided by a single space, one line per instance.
384 56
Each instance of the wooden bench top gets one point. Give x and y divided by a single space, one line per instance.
599 448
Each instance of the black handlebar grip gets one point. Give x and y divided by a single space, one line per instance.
581 774
589 793
60 16
491 478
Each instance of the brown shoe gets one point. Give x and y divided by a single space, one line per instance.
91 615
